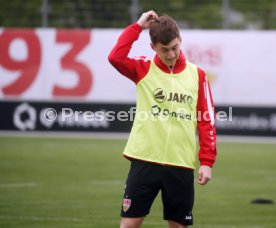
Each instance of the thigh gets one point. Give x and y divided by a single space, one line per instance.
141 188
178 195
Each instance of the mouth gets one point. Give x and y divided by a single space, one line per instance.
170 60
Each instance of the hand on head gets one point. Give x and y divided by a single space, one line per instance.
147 18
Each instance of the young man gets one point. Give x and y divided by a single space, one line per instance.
162 148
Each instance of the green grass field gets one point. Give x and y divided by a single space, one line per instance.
55 182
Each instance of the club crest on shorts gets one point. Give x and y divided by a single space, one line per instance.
126 204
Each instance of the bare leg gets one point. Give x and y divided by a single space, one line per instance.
173 224
131 222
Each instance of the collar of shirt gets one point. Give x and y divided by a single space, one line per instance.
178 67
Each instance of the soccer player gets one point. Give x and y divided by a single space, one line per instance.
162 148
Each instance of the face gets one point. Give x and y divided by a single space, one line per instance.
168 53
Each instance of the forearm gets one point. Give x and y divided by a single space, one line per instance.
206 123
123 46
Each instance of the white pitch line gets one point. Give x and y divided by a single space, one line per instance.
124 136
37 218
228 226
55 134
18 185
247 139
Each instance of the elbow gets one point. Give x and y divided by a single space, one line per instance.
111 58
114 60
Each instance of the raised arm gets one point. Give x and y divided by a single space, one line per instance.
133 68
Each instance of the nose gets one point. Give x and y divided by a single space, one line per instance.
171 55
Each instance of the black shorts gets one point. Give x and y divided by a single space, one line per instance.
143 184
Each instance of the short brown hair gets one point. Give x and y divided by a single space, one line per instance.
163 30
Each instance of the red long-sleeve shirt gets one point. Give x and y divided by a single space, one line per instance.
137 68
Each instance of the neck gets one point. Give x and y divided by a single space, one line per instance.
171 67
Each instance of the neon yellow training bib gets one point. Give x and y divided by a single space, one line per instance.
164 128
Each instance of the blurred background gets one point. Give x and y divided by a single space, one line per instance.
59 168
217 14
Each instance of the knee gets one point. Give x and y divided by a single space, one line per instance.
173 224
131 222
